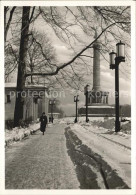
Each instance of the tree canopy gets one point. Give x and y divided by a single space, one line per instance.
76 28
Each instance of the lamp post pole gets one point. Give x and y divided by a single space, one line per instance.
86 95
87 106
117 124
52 102
115 60
76 99
76 112
52 112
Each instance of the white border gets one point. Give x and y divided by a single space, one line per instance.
69 3
2 111
133 97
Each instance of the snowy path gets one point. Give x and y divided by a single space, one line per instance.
62 160
118 157
41 162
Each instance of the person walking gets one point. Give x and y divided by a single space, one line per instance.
44 121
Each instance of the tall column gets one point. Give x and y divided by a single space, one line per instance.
96 67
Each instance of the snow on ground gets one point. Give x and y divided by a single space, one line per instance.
104 127
115 148
110 125
106 123
98 134
17 133
117 156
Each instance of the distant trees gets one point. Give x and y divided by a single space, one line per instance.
125 110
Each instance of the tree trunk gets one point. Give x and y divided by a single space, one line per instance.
31 73
18 113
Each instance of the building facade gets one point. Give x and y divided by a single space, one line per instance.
55 115
35 101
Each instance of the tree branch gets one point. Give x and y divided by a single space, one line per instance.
75 57
9 20
32 14
86 56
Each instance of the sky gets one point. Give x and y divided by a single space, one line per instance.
107 75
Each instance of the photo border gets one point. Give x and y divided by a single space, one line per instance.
131 191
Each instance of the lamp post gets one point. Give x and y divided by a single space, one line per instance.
115 60
86 94
52 103
76 99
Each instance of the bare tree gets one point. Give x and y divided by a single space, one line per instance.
117 19
41 55
111 23
87 20
18 113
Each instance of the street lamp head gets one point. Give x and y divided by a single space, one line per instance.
84 90
75 98
120 49
87 87
112 58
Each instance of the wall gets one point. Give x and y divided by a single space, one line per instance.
9 107
31 109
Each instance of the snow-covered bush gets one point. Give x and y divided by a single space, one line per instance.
18 133
126 128
108 124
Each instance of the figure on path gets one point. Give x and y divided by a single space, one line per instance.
44 121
